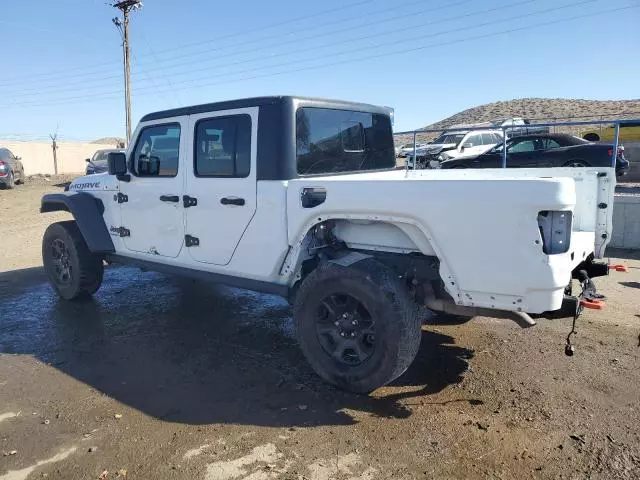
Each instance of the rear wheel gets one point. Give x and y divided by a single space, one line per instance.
11 181
576 164
72 269
357 326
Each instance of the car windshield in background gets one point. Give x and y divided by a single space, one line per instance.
100 156
333 141
448 139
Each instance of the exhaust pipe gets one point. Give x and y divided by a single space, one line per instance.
521 318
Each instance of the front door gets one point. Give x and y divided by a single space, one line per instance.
221 182
152 215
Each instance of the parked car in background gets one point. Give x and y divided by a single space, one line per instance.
455 144
11 169
520 126
550 150
629 132
405 150
98 163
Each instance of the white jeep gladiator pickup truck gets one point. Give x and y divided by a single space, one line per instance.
302 198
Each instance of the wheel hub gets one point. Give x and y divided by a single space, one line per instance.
345 329
61 259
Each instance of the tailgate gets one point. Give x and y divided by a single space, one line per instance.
593 215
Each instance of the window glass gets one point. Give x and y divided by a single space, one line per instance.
548 143
331 141
223 147
449 138
473 141
488 139
100 156
157 151
522 147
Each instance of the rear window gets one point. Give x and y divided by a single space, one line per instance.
333 141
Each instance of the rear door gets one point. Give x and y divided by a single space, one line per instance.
220 193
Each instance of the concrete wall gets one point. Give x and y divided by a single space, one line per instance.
626 222
38 157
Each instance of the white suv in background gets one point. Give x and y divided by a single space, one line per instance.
473 143
455 144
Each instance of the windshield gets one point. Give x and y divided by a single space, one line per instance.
333 141
445 138
100 156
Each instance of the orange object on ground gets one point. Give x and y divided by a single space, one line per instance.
593 304
619 268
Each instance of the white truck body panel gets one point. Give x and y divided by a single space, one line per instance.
481 224
490 251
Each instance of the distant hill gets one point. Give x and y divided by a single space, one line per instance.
110 141
544 110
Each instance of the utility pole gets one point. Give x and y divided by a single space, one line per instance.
126 6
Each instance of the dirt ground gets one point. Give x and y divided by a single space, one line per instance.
161 378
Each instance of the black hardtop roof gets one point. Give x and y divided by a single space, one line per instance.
259 101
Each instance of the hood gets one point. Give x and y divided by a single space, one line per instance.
435 148
97 182
98 166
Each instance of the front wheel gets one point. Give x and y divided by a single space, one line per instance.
72 269
357 326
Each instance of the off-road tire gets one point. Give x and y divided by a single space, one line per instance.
86 269
385 298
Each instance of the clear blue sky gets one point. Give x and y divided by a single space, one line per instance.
62 59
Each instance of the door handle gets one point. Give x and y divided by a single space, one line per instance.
232 201
170 198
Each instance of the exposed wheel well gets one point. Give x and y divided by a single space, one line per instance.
592 137
346 242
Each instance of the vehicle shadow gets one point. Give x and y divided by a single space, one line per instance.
197 353
623 253
630 284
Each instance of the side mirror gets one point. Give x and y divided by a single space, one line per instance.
117 163
87 160
18 158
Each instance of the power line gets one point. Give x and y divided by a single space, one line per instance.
386 19
369 57
69 86
88 74
405 39
180 47
166 79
